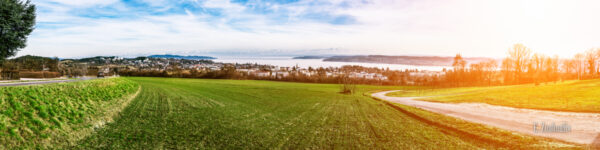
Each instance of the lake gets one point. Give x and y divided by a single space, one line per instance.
315 63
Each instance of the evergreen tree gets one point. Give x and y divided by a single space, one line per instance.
17 20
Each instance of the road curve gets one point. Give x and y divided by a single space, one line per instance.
585 127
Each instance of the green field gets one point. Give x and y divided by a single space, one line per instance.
244 114
574 96
231 114
55 115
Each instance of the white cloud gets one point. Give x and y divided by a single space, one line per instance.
429 27
81 3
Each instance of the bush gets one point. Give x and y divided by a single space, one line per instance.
348 85
10 75
348 88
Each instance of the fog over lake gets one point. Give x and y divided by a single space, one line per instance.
315 63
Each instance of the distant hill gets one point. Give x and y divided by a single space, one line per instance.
99 60
405 60
310 57
181 57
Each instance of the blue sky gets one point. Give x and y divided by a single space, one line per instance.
81 28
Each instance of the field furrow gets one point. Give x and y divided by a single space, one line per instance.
174 113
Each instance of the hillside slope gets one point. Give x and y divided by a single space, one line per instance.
55 115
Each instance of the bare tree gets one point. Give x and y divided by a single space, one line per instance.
459 63
597 52
579 65
591 58
569 67
519 54
538 65
489 68
552 69
507 70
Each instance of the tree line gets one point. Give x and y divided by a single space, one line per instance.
522 66
230 71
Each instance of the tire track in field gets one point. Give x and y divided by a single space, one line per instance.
202 96
446 128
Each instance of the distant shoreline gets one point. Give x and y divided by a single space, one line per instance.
182 57
310 57
437 61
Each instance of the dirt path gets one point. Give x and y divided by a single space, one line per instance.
585 127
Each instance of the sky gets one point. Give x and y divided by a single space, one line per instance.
83 28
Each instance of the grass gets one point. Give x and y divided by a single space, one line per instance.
46 116
174 113
21 81
573 96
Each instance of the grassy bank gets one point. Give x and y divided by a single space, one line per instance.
172 113
54 115
575 96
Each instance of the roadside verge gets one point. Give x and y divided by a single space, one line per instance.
56 115
98 121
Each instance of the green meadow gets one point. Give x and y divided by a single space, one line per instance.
573 96
172 113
